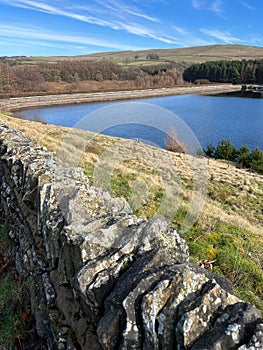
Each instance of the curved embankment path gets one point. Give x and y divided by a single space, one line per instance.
17 103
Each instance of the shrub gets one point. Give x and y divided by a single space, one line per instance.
225 150
172 142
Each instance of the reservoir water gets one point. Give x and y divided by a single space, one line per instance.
210 118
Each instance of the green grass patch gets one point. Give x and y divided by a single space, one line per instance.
245 200
94 146
15 316
4 240
10 292
88 169
121 184
237 251
238 256
221 191
147 208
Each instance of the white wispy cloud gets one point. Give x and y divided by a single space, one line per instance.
256 40
52 10
247 5
180 30
45 44
215 6
38 34
114 23
115 15
141 15
223 36
41 37
119 8
198 4
143 31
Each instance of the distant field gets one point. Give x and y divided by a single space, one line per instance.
195 54
191 54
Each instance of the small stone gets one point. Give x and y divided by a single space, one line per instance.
61 346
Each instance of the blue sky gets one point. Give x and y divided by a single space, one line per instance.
63 27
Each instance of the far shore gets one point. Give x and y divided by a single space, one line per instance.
19 103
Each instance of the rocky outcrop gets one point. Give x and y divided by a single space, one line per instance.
102 278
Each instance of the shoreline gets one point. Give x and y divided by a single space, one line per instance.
20 103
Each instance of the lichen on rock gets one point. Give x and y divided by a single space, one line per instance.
102 278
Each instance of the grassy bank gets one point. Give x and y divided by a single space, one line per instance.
229 228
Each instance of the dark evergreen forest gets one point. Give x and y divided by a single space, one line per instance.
236 72
244 156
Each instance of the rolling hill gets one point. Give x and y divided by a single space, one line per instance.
189 54
194 54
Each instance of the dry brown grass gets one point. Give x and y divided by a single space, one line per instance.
229 227
188 54
246 187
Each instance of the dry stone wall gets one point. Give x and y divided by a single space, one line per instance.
102 278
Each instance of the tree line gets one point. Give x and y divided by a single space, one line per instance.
244 156
224 150
37 77
18 77
236 72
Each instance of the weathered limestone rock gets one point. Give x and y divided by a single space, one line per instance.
102 278
231 328
256 341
